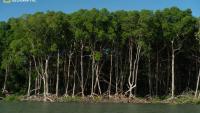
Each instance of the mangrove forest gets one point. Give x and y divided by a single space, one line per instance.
96 52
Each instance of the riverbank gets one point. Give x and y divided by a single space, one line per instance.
181 99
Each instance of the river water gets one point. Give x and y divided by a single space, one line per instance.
39 107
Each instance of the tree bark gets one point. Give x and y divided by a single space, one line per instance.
197 85
132 79
168 72
57 79
130 69
44 93
116 71
157 71
47 76
65 73
149 74
93 71
29 79
36 86
136 70
5 80
110 79
68 73
173 58
45 79
97 78
82 79
74 85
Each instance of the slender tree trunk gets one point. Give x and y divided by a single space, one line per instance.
65 73
47 76
45 79
93 70
36 85
133 70
149 74
57 79
29 79
173 58
44 94
110 79
136 70
116 71
44 75
5 80
82 79
39 84
74 82
97 78
122 70
38 78
132 79
168 73
197 85
130 69
157 69
68 73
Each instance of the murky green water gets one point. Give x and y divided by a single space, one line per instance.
37 107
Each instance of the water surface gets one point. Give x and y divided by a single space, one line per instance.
39 107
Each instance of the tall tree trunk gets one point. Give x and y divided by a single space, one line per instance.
82 79
97 78
29 79
57 79
173 58
157 69
133 70
150 78
116 71
65 73
44 93
47 76
5 80
36 86
38 78
74 84
130 69
93 71
168 72
39 84
197 85
68 73
122 71
74 81
110 79
136 70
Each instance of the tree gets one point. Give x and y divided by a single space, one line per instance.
4 27
177 25
81 35
129 28
198 39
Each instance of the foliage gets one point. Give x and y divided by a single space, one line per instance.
11 98
29 41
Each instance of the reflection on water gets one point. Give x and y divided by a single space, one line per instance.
39 107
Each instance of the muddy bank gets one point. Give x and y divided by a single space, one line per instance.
183 99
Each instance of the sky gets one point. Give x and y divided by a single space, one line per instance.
69 6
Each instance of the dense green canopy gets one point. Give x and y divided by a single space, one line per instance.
100 52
